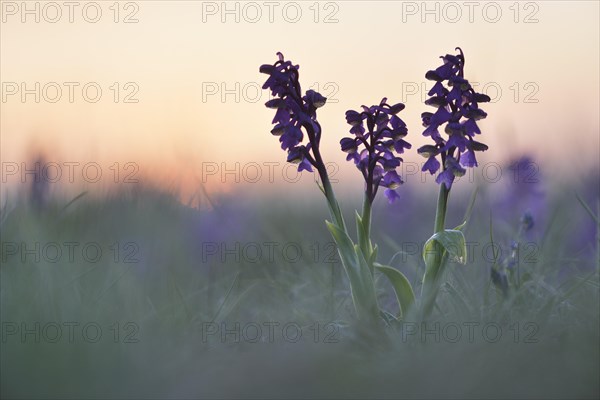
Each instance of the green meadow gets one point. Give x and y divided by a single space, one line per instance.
136 295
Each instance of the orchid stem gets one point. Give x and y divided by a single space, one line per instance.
365 242
440 214
437 258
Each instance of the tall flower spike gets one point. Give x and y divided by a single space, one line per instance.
295 114
457 109
375 149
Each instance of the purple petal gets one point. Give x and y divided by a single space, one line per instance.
391 195
400 145
438 89
432 165
468 159
446 177
471 127
304 166
282 116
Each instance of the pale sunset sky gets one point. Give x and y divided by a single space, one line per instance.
193 70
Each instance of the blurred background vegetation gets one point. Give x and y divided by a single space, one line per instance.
170 279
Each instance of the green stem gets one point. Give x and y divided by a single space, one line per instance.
436 258
366 217
334 207
440 214
364 238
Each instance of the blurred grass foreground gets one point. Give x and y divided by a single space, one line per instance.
136 295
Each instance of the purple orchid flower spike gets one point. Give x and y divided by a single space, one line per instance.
458 111
375 149
295 114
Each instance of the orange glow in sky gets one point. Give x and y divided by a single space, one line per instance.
172 87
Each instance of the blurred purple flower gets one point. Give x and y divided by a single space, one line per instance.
457 108
519 205
375 149
294 113
527 221
520 197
